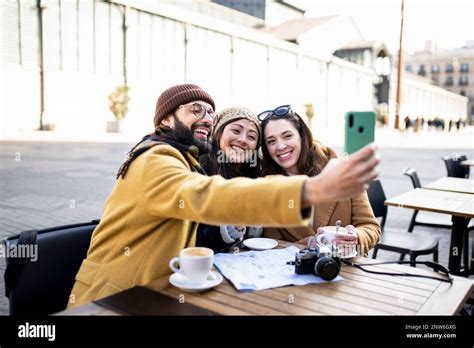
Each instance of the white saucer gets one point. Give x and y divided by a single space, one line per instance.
260 243
178 280
354 254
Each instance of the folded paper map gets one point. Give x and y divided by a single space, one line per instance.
259 270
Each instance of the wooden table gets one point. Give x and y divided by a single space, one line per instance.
459 205
452 185
359 293
468 163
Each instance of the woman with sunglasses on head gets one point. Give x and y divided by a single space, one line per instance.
289 149
236 140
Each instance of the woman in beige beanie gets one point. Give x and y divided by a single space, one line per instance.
236 140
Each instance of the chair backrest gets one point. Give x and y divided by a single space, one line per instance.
377 198
454 167
411 172
43 286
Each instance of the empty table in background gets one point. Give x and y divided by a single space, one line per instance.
459 205
452 185
468 163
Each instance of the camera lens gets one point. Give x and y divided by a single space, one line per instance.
327 268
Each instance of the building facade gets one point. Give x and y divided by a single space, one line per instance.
452 70
272 12
61 60
216 10
374 55
419 97
422 100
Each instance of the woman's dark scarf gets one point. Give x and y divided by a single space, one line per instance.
162 135
214 163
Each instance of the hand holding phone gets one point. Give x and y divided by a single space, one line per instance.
342 178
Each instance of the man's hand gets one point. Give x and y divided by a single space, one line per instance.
342 177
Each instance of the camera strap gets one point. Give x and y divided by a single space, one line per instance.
436 267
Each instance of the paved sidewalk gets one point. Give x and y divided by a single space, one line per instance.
44 184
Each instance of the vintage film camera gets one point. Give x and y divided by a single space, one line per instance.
320 260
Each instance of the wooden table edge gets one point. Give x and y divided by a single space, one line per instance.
432 185
465 287
409 206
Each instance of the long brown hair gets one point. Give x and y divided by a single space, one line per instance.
312 159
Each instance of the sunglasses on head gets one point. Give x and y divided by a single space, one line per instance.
279 111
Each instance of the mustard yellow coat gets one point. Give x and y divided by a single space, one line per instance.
153 213
355 211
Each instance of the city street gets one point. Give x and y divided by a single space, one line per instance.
44 184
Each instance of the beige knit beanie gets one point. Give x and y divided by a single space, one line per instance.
229 115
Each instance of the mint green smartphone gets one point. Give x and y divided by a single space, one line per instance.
359 130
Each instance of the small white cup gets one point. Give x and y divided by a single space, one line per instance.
329 234
194 264
327 238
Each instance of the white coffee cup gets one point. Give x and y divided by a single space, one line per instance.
194 264
330 234
327 238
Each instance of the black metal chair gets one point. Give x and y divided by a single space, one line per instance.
402 243
454 167
43 286
426 219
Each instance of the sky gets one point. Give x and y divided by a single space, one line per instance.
448 22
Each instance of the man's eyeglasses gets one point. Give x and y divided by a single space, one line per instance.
279 111
200 111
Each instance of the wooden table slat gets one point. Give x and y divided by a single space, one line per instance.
317 307
219 301
401 268
162 285
393 279
208 302
445 302
376 297
452 203
356 284
320 304
346 301
331 305
275 303
402 289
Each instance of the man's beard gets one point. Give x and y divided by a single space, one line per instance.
185 136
